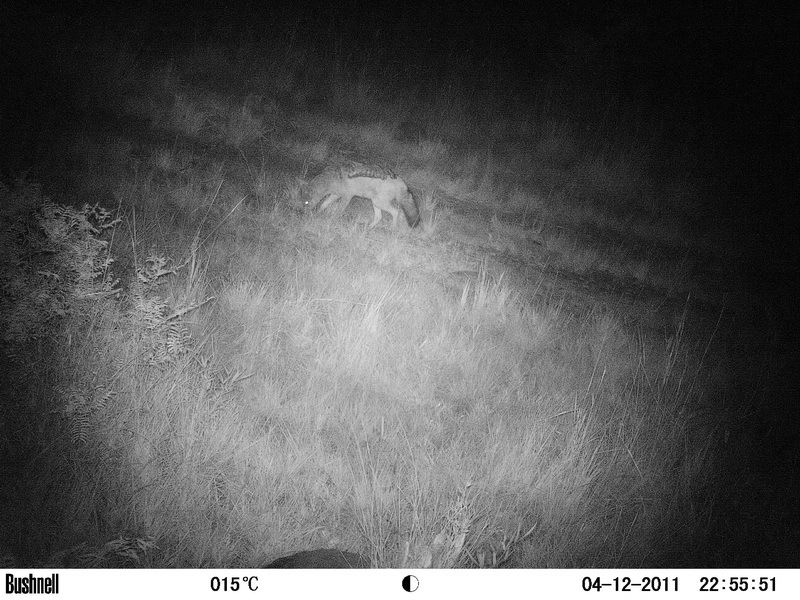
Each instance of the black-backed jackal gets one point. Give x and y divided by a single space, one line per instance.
381 186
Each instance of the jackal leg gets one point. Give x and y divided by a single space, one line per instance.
328 200
394 212
377 215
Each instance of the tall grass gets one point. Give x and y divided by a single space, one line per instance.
502 389
331 397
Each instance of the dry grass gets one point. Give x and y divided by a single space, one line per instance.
494 390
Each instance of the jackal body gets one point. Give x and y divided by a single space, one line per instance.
381 186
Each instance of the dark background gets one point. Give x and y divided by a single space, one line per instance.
724 73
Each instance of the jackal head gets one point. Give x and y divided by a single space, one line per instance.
307 201
295 194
